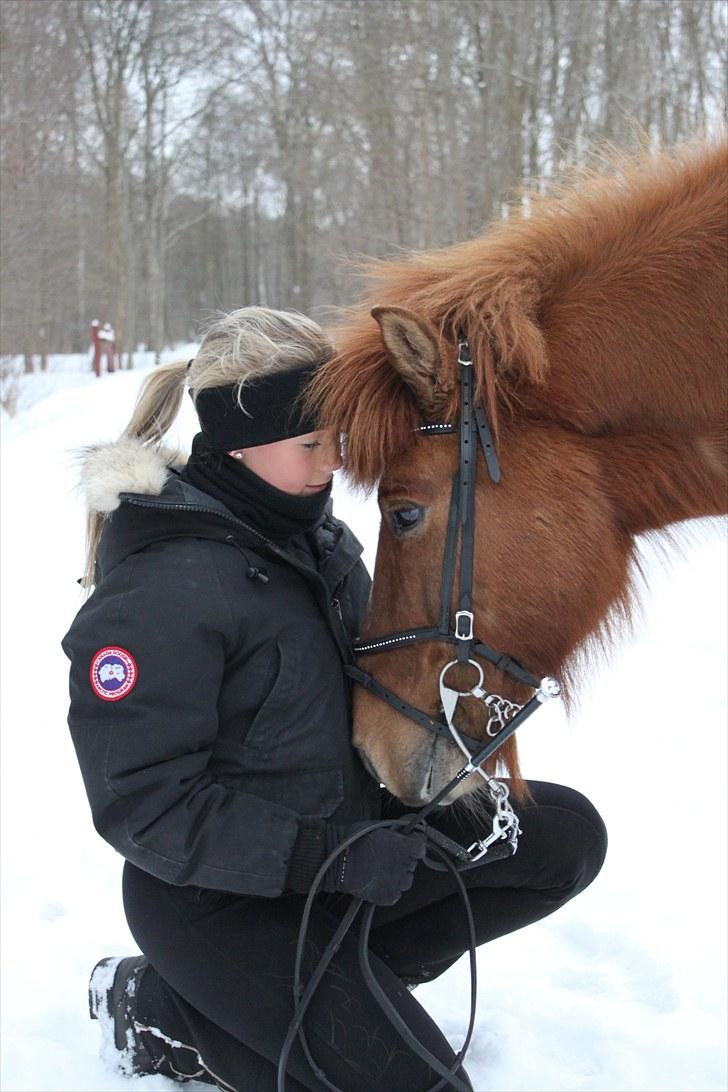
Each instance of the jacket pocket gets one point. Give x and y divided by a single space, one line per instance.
312 793
276 721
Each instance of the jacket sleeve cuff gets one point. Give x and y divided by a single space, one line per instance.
309 853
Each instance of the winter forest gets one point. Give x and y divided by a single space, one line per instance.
162 159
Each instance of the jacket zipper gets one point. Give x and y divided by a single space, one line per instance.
335 602
207 511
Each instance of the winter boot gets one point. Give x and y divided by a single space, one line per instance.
127 1044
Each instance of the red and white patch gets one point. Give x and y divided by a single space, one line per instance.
113 673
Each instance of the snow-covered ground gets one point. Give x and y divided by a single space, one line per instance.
621 991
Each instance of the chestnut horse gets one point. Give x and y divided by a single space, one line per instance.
597 326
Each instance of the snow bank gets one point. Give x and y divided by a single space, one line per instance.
621 991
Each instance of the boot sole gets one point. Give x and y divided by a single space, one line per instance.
99 984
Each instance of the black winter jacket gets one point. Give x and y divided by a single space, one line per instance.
236 723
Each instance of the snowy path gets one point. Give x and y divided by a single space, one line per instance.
621 991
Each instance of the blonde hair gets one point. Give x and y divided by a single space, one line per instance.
235 348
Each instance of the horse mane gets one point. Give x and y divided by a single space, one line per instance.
494 289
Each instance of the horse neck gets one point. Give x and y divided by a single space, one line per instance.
651 361
632 312
646 381
652 481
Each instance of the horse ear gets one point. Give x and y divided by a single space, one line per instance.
414 350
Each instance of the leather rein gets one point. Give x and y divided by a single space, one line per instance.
473 430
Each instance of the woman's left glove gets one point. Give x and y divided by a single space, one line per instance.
378 866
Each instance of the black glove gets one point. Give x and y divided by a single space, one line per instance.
379 866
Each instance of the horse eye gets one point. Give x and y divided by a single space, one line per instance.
404 519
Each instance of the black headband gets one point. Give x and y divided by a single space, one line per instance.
273 410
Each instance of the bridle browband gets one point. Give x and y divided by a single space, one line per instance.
473 429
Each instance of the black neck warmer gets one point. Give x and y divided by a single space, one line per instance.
276 514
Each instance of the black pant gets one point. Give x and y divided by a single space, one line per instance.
222 965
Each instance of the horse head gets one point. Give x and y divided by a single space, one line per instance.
597 326
551 558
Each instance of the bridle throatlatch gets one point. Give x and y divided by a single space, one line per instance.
503 718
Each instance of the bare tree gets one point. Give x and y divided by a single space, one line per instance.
37 250
110 33
172 51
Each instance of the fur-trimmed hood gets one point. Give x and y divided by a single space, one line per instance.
138 491
123 466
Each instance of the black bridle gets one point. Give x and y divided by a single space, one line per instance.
473 429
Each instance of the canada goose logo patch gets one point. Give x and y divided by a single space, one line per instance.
113 673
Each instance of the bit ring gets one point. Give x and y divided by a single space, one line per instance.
465 693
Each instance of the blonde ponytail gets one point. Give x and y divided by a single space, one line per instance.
158 403
94 526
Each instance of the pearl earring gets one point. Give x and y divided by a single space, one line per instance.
238 455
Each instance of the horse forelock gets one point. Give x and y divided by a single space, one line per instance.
359 392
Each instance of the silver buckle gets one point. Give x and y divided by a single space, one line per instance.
468 636
463 347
